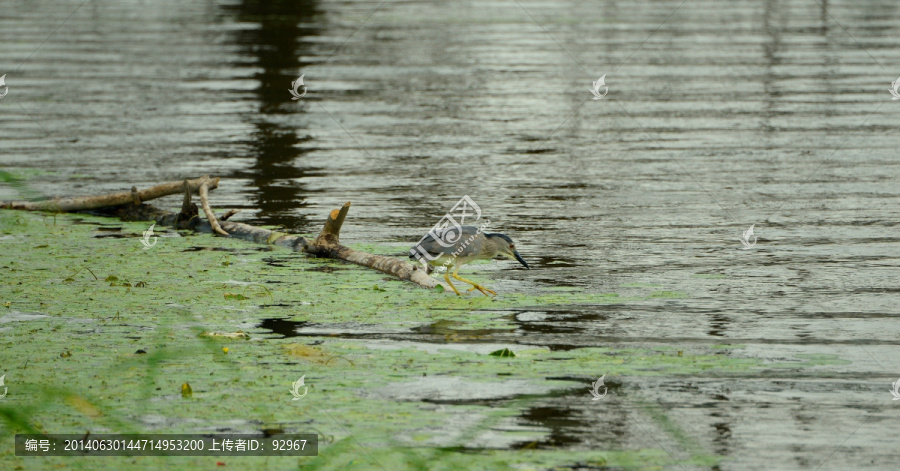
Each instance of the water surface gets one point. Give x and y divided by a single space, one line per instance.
719 115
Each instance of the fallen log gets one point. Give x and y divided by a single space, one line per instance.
328 244
130 206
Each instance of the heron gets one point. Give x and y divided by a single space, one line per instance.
467 243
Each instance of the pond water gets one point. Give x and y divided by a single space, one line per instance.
719 116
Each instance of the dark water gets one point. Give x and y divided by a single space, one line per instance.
719 115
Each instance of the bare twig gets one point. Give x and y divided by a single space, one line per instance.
231 212
204 202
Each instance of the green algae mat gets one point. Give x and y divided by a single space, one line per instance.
101 335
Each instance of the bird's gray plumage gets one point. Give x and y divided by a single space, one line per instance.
456 240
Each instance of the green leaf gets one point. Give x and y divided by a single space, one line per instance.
503 353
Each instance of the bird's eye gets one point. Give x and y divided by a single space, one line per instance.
512 246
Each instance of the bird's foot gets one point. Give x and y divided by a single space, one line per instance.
447 277
483 290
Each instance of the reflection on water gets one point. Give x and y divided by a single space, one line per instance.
283 327
277 43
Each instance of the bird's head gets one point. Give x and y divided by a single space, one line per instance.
506 247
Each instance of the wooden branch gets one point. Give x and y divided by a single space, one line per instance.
328 244
186 202
188 213
204 201
331 233
322 246
112 199
231 212
392 266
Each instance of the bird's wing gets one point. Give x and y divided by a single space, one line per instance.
431 245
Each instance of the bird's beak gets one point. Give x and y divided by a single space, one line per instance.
520 259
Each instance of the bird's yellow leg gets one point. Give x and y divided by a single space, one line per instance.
483 290
447 277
